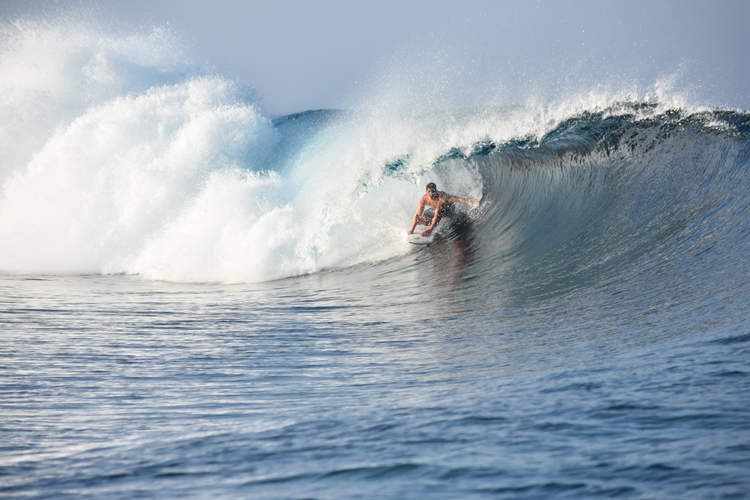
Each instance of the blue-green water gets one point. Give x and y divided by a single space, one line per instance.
319 387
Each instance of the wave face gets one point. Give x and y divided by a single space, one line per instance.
629 194
120 155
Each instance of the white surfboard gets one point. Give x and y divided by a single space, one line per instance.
416 238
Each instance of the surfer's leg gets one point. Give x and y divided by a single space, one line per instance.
423 220
437 219
426 218
447 209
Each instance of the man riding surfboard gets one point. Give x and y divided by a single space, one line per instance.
442 203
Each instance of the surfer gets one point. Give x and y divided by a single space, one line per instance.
441 204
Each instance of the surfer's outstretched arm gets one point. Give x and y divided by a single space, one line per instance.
456 199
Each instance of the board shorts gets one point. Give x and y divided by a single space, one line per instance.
447 209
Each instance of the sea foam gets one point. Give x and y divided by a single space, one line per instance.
120 155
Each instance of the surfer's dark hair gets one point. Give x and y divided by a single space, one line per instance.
431 185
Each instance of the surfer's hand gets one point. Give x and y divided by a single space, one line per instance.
475 203
426 232
410 231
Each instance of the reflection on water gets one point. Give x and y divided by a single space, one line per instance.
401 376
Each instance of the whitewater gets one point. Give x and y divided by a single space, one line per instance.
202 300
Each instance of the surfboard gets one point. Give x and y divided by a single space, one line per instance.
415 238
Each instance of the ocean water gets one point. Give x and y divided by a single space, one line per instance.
198 300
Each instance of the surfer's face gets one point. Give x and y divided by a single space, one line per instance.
432 193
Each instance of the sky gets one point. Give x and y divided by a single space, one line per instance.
302 55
